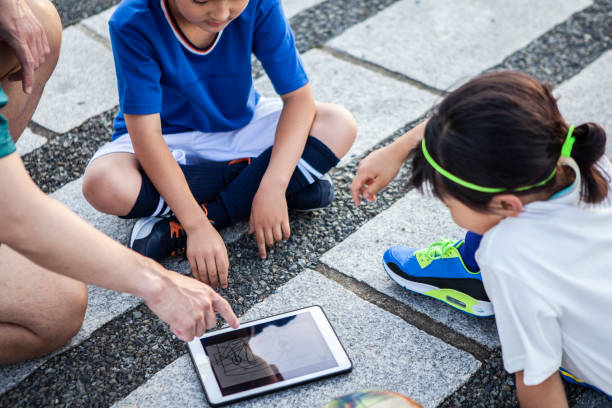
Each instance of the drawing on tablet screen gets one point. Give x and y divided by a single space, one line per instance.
237 358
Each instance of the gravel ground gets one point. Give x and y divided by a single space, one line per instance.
72 11
127 351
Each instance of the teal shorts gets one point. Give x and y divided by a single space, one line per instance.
6 142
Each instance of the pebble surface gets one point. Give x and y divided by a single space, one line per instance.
124 353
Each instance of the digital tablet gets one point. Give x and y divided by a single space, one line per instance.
265 355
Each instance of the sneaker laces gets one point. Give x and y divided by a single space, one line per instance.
438 249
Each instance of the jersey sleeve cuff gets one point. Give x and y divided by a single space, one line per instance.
141 109
285 88
530 376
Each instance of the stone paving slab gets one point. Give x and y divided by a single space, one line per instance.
78 91
587 96
443 43
29 141
99 23
386 353
292 7
413 221
379 103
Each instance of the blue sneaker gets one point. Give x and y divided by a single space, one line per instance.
439 272
316 196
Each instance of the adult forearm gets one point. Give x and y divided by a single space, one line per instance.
50 235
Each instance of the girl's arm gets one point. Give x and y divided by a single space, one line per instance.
50 235
381 166
269 216
206 251
549 393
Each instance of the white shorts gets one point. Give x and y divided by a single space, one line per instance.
248 141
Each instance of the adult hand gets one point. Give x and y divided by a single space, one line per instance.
377 170
269 217
207 255
20 29
187 305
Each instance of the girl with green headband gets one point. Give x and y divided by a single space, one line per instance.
537 192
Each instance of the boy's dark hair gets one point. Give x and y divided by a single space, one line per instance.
504 129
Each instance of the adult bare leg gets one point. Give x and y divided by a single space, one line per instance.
39 310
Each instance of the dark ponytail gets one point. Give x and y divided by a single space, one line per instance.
504 130
590 146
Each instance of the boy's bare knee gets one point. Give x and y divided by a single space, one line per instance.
106 189
335 126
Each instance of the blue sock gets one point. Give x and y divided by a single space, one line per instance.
468 250
234 203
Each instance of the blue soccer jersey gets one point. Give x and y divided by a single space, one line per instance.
160 71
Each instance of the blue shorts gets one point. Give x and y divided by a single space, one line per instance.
567 376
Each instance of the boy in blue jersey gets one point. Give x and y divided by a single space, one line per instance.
194 140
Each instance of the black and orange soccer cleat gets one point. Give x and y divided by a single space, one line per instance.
158 237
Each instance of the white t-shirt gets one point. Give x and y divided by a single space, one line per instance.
548 273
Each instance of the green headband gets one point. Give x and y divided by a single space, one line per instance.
566 151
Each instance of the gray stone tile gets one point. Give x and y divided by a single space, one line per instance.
387 353
380 104
445 42
587 97
29 141
99 23
414 221
78 90
292 7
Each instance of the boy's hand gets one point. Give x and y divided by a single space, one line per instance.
20 29
377 170
269 218
187 305
207 255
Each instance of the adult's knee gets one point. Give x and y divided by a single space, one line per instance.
335 126
71 315
65 322
49 19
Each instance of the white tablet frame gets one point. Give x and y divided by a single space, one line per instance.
207 376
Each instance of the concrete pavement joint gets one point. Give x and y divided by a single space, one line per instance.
566 49
417 319
382 70
95 36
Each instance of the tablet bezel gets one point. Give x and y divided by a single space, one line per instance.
209 381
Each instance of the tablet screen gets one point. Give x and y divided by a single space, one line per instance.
267 353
